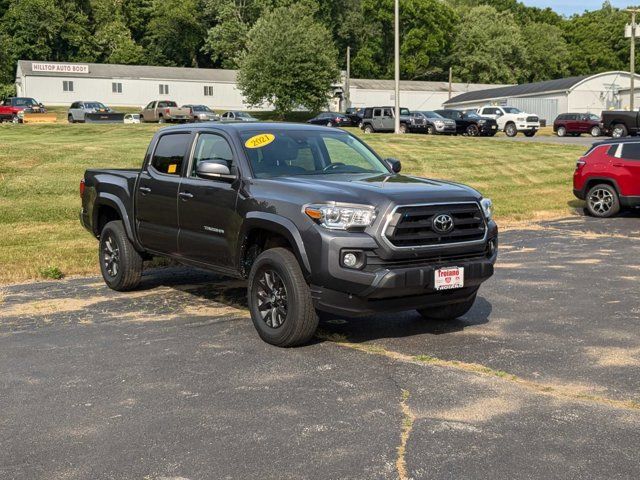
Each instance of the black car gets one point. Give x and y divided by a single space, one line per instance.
470 123
312 217
331 119
432 123
355 114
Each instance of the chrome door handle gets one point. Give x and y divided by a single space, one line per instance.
144 190
185 195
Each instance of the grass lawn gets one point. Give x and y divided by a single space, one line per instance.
41 166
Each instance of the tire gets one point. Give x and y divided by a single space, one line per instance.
530 133
329 124
447 312
403 128
127 261
472 131
368 129
70 119
161 120
15 119
595 131
562 131
511 130
619 130
431 130
293 319
603 201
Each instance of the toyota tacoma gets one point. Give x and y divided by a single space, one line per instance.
311 216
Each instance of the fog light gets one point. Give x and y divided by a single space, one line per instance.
350 260
492 247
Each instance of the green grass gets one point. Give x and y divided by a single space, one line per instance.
41 167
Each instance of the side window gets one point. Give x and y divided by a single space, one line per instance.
213 148
150 106
631 151
377 112
388 112
170 152
612 150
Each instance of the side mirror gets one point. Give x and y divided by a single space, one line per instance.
213 170
394 164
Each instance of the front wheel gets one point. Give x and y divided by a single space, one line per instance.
279 299
595 131
511 130
562 131
15 119
403 128
431 130
447 312
70 119
603 201
368 129
472 131
120 263
329 124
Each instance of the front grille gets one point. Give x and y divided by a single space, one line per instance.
413 226
373 262
532 119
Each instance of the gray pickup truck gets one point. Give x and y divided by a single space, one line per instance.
311 216
163 111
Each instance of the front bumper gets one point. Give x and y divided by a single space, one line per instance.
393 284
488 128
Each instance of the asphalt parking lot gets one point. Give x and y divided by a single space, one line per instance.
540 380
584 140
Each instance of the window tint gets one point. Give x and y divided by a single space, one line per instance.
388 112
611 152
631 151
212 148
377 112
170 153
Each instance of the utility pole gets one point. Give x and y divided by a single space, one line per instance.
397 63
450 80
632 62
347 81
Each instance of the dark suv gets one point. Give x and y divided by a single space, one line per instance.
470 123
311 216
577 124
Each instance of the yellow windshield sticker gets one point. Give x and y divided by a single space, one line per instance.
259 141
172 168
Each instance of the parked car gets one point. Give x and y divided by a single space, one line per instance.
12 109
202 113
607 177
620 123
577 124
331 119
512 120
382 119
313 218
163 111
470 123
355 114
81 112
431 123
132 118
235 116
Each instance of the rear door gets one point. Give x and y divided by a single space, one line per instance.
626 169
157 193
207 214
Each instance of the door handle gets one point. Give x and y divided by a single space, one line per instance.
618 164
185 195
144 190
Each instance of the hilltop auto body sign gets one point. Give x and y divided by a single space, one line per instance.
60 68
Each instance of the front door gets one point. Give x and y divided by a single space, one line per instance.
209 223
157 193
388 123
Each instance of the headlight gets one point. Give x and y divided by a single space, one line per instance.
487 207
341 216
520 119
439 123
482 122
203 116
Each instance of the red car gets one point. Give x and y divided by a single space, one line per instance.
13 108
607 177
577 124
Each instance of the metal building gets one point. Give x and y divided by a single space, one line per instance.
583 94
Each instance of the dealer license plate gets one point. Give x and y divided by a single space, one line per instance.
449 278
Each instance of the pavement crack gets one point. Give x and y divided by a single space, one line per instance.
482 370
408 418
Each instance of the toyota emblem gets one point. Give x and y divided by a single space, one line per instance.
442 223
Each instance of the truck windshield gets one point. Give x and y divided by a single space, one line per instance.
280 153
511 110
24 102
95 105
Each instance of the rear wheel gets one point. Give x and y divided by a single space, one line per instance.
447 312
562 131
279 299
161 120
619 131
120 263
603 201
511 130
530 133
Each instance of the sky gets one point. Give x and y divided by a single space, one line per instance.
569 7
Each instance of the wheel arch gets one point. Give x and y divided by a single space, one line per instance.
109 207
593 181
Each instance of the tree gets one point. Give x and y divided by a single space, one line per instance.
547 52
489 47
426 33
290 61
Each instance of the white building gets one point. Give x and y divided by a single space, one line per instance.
583 94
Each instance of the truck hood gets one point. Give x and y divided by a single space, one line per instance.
376 189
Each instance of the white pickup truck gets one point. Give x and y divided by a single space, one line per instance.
512 120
